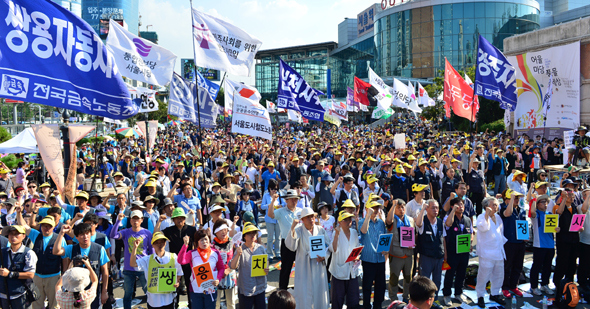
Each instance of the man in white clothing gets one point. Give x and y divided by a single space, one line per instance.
490 231
344 277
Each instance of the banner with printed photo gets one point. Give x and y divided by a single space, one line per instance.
533 72
48 138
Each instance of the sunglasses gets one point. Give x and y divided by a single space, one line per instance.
32 187
543 175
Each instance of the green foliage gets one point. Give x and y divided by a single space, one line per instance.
4 135
489 111
497 126
220 97
92 140
11 161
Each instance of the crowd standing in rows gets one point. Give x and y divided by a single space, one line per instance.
192 210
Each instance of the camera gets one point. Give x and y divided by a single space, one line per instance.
78 260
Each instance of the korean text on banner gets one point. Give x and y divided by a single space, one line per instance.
202 274
166 280
384 242
138 58
533 72
354 254
259 263
295 93
144 99
407 237
352 104
551 222
495 78
208 85
48 138
317 246
52 57
249 116
463 243
182 102
209 109
522 230
577 222
458 94
222 46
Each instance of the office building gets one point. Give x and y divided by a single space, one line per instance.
74 6
151 36
93 11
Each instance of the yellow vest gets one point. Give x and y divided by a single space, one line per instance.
152 280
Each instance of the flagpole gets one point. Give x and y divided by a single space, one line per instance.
473 100
197 93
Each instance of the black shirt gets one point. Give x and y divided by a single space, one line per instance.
176 237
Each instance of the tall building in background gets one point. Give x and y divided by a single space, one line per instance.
93 11
74 6
559 11
151 36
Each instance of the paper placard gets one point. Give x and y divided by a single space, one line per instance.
551 222
522 230
577 222
399 141
259 263
407 237
237 239
317 247
354 254
463 243
166 280
384 242
202 274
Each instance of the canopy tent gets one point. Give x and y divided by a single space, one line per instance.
24 142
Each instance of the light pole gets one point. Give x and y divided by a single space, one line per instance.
65 135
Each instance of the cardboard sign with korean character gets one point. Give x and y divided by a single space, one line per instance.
317 247
406 237
166 280
577 222
203 274
259 263
522 230
384 242
551 222
463 243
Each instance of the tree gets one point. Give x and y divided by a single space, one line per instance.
4 135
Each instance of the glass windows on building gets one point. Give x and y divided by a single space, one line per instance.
350 62
413 43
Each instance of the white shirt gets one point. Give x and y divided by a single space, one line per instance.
338 268
413 208
164 299
492 235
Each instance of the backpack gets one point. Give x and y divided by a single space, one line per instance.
570 296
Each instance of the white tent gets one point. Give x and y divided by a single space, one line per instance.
24 142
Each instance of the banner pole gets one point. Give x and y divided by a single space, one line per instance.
197 93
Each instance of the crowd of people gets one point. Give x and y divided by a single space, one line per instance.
193 208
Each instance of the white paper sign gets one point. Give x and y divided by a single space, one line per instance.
400 141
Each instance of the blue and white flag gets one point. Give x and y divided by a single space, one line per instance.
495 76
208 108
296 94
208 85
547 99
181 103
52 57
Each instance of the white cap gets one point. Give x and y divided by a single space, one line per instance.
76 279
136 213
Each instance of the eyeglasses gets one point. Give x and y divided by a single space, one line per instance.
32 187
543 175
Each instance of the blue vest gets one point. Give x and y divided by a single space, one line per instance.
47 263
93 257
15 286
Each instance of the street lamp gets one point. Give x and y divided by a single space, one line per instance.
65 135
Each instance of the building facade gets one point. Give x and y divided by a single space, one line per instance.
413 39
311 61
74 6
127 10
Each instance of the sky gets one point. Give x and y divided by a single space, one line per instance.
277 23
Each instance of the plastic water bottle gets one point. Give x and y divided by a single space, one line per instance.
545 301
513 301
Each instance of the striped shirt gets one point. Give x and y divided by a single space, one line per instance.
370 241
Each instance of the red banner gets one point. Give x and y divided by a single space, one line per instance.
360 91
458 94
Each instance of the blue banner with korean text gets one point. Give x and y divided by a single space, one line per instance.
182 103
50 56
208 85
296 94
495 78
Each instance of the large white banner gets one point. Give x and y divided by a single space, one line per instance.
139 58
532 79
385 96
144 98
249 116
222 46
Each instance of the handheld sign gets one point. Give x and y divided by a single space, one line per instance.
259 263
166 280
406 238
463 243
354 254
384 242
203 274
237 239
317 247
551 222
577 222
522 230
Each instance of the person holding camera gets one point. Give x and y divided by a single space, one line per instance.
18 265
70 288
85 249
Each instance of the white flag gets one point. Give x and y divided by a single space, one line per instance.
385 96
222 46
250 117
138 58
229 92
271 107
413 106
144 98
339 110
294 116
468 80
402 95
423 98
